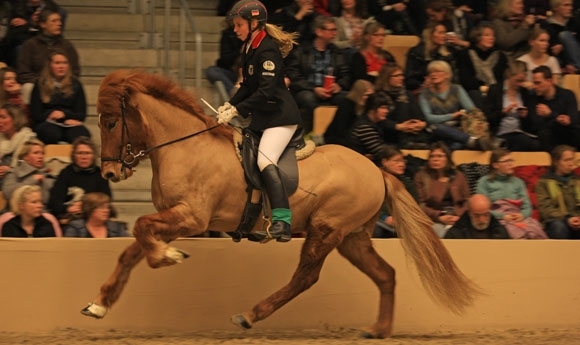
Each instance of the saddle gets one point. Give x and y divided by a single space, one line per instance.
287 164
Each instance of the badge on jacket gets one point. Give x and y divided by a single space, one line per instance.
251 69
268 65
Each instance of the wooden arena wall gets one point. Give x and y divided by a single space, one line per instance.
45 282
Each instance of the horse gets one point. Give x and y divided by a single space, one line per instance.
198 184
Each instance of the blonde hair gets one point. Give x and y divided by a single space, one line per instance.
48 84
20 195
18 117
27 146
440 66
286 40
358 90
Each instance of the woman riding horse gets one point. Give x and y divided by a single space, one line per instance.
264 95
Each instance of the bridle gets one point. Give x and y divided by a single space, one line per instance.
130 159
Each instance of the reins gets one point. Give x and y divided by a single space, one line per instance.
130 158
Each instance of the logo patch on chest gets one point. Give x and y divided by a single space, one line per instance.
251 69
268 65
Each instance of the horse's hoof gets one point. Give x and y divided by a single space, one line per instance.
94 310
175 255
369 334
240 320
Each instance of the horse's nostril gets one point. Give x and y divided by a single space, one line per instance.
109 175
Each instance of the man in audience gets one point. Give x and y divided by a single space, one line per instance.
311 64
553 112
563 29
477 222
34 53
558 195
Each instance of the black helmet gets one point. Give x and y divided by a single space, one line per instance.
249 9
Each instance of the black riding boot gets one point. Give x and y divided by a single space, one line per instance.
280 229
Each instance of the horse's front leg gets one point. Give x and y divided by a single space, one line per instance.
113 287
154 231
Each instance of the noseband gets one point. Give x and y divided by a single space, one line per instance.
130 159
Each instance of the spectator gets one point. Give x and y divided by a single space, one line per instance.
394 15
351 108
58 104
84 174
367 136
563 28
30 171
311 64
553 112
442 189
456 22
34 53
10 91
558 195
367 62
296 17
406 123
13 134
95 221
444 104
511 204
432 47
512 27
506 107
393 162
477 222
226 68
26 204
350 24
482 65
538 55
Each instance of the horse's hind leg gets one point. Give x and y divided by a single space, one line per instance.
357 248
111 290
314 251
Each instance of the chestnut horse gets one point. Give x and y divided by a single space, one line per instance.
198 184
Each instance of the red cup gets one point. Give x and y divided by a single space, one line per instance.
328 81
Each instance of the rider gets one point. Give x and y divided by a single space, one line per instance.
264 95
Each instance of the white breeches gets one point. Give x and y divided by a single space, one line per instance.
274 141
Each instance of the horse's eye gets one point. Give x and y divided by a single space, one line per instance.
111 125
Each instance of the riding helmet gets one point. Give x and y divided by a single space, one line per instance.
249 9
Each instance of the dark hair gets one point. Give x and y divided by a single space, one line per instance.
92 201
82 140
45 13
388 152
477 32
385 73
496 155
440 5
544 70
449 168
377 100
321 21
558 151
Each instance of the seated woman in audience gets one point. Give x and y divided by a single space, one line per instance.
351 108
432 47
367 136
367 62
558 195
393 162
406 123
506 108
350 24
10 92
13 134
512 27
482 65
538 56
58 105
444 104
82 174
30 171
443 190
511 204
95 221
26 204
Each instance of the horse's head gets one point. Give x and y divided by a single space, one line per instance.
121 126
